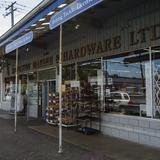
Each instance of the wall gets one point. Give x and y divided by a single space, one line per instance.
137 129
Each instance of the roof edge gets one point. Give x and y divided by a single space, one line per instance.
28 16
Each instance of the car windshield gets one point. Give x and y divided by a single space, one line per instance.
126 96
116 96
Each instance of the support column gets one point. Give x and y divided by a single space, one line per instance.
16 92
60 92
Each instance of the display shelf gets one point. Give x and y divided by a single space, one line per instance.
51 123
69 126
69 97
52 110
88 112
77 111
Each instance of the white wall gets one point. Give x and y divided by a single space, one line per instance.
137 129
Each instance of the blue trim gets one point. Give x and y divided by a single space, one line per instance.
39 15
72 10
21 41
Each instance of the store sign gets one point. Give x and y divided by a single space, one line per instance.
94 48
143 36
71 11
47 61
75 84
37 64
25 39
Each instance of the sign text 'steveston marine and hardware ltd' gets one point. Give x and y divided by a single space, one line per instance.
148 33
142 36
36 64
25 39
73 9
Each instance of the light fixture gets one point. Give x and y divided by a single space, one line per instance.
45 24
39 28
27 29
27 49
50 13
33 25
42 19
62 5
77 26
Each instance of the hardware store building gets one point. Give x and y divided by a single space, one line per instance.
110 54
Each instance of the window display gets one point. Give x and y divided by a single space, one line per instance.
69 108
52 111
125 78
69 73
121 80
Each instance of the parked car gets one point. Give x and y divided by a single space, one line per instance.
128 104
118 99
122 98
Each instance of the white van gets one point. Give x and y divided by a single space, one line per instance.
118 98
122 98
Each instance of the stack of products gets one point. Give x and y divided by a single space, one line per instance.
69 110
52 111
69 107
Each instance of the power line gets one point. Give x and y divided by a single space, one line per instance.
11 8
24 6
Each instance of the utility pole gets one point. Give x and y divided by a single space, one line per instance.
11 12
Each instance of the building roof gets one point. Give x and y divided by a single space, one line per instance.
40 11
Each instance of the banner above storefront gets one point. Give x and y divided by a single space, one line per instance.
71 11
25 39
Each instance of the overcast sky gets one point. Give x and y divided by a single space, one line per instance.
24 6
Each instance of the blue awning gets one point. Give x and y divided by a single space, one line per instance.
38 16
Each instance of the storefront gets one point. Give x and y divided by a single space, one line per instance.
37 77
110 62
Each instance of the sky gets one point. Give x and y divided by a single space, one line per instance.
24 6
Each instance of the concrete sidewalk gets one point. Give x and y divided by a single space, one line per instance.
112 147
27 144
6 115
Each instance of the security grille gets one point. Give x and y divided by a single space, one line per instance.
156 80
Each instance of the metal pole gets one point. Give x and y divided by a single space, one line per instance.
1 81
76 71
102 85
151 78
60 91
1 86
27 93
16 91
11 11
12 15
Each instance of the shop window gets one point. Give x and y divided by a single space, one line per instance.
116 96
126 96
90 78
48 74
122 83
125 79
69 72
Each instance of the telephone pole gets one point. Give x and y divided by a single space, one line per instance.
11 9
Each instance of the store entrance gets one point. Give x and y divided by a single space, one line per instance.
44 88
